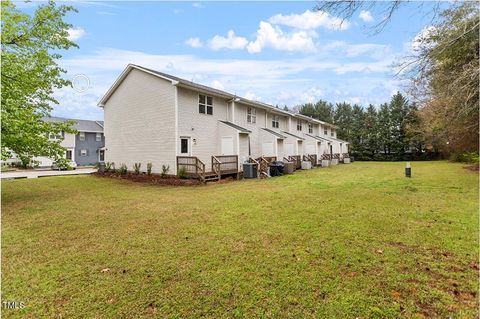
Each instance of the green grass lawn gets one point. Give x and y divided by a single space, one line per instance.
357 240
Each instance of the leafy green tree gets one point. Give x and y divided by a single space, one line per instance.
324 111
307 109
384 128
30 74
357 129
398 112
446 74
371 136
343 118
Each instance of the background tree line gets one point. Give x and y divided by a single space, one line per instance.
388 132
444 75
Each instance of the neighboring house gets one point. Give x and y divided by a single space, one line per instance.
154 117
84 148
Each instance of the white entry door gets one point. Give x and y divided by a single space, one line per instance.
289 149
267 149
310 149
227 145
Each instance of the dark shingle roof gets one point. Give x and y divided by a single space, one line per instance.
297 137
237 127
278 135
80 125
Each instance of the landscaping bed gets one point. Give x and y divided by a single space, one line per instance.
155 179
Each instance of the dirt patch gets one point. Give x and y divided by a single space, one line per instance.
473 168
155 179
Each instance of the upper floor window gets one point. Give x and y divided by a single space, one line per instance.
310 128
299 125
275 121
251 115
98 137
205 104
325 131
332 133
53 136
81 136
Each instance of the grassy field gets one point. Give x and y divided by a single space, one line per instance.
350 241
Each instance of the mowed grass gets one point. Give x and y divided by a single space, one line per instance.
357 240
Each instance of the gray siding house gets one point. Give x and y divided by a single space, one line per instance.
85 148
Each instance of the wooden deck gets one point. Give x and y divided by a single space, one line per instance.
227 165
221 165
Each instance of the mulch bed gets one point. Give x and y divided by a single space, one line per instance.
474 168
155 179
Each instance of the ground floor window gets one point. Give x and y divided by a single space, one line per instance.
68 154
83 152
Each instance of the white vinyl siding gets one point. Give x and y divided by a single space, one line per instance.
140 122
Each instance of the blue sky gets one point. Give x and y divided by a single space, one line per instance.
282 53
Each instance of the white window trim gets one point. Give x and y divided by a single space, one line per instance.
81 136
275 121
189 146
206 105
81 152
310 128
299 125
98 137
251 115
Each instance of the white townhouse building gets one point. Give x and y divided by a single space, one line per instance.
153 117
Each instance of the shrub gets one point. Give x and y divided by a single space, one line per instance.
182 172
108 166
165 169
136 167
149 168
467 157
123 169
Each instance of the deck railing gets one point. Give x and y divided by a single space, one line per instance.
216 166
326 156
226 163
264 165
193 166
270 159
297 160
313 159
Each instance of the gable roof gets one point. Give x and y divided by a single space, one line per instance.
237 127
278 135
80 125
203 88
297 137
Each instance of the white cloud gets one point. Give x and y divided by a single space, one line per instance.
310 20
252 96
230 42
422 39
289 81
269 36
217 85
312 95
366 16
197 5
75 33
194 42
